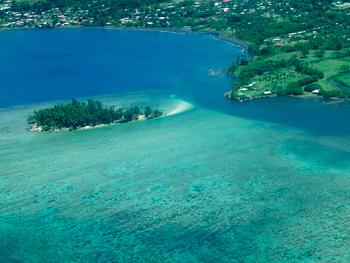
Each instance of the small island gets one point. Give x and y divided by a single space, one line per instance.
82 115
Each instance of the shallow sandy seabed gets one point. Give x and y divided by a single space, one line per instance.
198 186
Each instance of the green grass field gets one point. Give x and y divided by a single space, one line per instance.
343 79
331 69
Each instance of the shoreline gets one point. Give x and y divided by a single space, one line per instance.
216 34
228 96
40 129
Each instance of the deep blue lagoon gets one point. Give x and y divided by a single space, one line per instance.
264 181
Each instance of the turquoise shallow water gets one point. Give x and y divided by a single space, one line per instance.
207 185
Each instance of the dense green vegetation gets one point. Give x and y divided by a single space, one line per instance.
77 114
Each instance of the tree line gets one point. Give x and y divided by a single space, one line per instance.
77 114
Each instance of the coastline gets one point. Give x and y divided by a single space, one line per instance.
227 95
36 128
186 30
216 34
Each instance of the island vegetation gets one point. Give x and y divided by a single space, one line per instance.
291 47
77 115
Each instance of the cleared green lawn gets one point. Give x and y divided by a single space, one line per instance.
331 69
343 78
328 65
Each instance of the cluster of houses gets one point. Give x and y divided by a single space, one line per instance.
165 14
342 5
148 17
252 86
175 11
5 5
51 18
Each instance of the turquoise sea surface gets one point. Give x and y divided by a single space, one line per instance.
215 181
